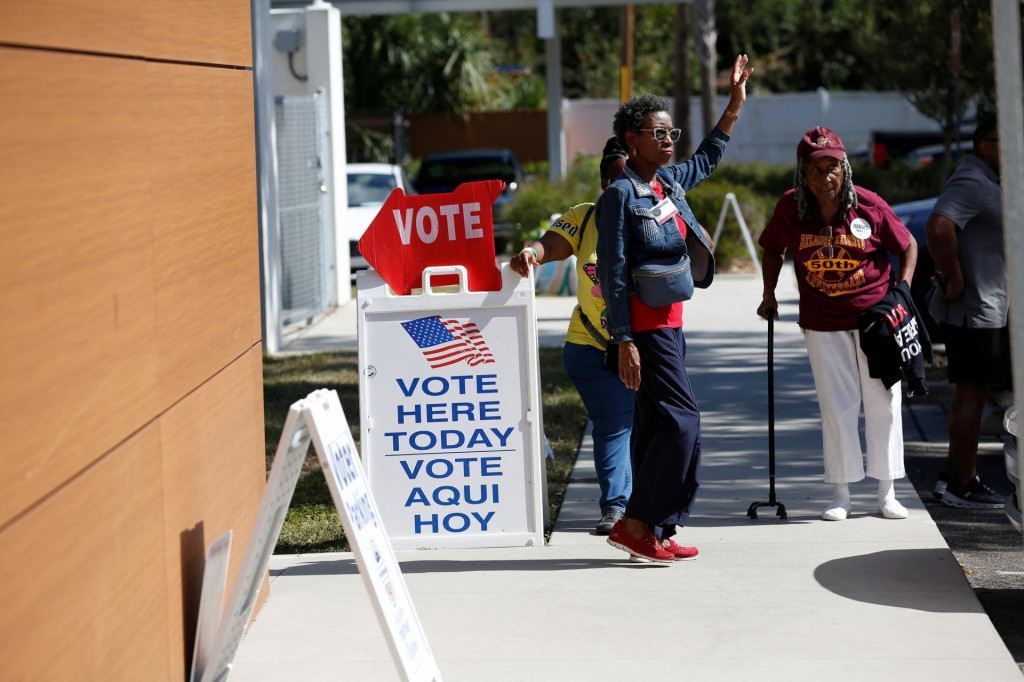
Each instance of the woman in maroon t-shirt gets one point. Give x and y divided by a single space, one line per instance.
841 236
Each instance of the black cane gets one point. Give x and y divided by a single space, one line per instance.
780 510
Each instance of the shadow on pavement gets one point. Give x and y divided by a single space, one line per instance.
349 567
904 578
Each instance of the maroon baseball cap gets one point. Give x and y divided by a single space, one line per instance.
818 142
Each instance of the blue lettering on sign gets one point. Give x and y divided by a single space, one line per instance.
417 496
423 440
341 460
435 386
442 468
490 466
420 523
434 413
361 512
449 495
453 449
453 523
448 439
489 410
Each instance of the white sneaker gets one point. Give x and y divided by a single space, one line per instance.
891 509
836 511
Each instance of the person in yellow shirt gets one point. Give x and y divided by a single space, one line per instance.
608 401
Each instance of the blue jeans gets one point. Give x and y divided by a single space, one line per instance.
610 407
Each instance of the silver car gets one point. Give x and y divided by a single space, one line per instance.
369 185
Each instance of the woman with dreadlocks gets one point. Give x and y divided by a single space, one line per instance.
841 236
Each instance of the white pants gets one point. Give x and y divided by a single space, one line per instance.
841 379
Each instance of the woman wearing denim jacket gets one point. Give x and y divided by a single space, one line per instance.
666 432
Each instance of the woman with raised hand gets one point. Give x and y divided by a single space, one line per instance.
643 217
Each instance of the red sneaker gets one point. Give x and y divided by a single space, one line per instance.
681 553
646 546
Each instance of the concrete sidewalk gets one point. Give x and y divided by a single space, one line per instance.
799 599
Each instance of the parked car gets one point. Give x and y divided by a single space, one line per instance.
914 215
369 185
935 153
444 171
890 145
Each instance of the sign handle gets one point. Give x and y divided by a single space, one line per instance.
446 270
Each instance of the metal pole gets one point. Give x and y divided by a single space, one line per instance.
266 173
681 90
547 27
771 407
1009 93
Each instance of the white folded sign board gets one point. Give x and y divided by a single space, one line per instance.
320 418
450 407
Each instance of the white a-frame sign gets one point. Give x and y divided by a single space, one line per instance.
318 418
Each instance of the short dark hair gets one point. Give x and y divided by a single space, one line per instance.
987 125
630 115
612 151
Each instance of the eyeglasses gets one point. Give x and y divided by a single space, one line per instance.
827 231
661 133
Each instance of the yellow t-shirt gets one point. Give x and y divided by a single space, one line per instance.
588 291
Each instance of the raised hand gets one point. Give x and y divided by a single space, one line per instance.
738 79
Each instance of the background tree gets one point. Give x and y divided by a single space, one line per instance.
917 61
706 37
802 46
424 62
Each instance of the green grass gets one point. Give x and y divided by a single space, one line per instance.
312 524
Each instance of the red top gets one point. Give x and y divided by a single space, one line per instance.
841 270
643 317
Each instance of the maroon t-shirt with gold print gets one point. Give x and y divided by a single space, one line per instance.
842 269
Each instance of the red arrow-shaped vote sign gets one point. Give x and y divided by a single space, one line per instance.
411 233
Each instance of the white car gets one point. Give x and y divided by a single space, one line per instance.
369 185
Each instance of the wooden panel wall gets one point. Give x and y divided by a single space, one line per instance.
201 464
200 31
130 363
81 598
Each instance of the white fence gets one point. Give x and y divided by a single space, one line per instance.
769 126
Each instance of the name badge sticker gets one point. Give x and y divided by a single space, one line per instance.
663 210
860 228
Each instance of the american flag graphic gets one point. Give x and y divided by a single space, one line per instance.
446 342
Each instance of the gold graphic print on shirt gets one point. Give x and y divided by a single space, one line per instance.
831 269
595 292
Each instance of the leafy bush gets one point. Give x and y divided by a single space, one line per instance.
537 200
706 201
900 182
368 146
757 187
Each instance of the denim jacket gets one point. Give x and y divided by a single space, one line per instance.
628 234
